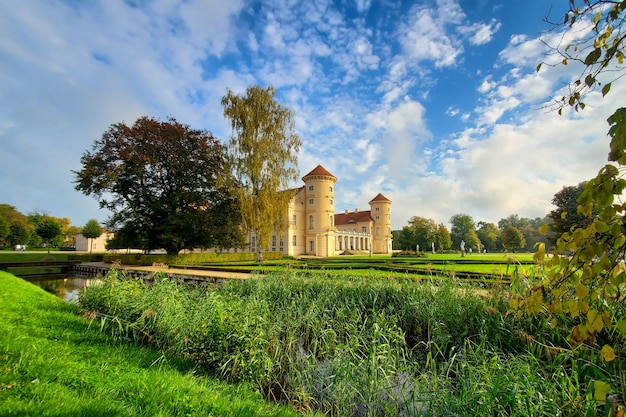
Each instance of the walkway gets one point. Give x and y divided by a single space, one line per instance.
147 271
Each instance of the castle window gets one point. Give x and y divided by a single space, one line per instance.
311 201
253 243
311 188
330 189
330 220
293 219
330 201
377 208
293 240
377 217
310 222
274 242
364 229
311 246
281 245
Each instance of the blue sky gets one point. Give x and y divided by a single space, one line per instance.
436 104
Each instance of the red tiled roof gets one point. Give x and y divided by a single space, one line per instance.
358 217
380 197
319 170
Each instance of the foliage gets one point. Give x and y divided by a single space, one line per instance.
5 228
338 345
91 229
601 50
528 227
566 216
463 229
406 238
20 229
489 236
263 151
443 241
49 230
164 181
512 238
585 278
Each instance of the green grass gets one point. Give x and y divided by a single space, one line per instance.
52 363
356 345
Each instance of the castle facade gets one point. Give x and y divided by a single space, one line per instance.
315 229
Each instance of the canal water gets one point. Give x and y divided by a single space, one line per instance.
66 288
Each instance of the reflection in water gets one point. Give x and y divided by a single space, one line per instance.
66 288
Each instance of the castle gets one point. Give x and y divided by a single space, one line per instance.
315 229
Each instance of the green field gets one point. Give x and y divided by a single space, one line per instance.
52 363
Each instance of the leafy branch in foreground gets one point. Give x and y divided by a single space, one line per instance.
584 284
600 49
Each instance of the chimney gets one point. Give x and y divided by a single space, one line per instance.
347 211
356 210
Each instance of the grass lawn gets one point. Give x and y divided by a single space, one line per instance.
53 364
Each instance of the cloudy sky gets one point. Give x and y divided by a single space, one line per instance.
434 103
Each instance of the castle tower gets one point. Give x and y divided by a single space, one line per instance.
381 214
319 201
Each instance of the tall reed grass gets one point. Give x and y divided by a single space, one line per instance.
354 346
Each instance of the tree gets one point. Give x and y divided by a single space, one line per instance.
20 229
424 230
164 178
443 240
462 224
566 216
528 227
263 151
407 240
489 235
49 230
5 229
91 230
512 238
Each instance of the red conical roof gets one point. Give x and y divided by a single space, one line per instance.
319 170
380 197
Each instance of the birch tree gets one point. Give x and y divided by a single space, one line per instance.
263 151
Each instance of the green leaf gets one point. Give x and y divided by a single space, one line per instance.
589 80
538 67
606 89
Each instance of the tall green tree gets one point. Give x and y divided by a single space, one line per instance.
5 229
489 236
443 241
20 229
406 238
165 179
566 215
425 232
263 151
512 238
91 230
49 230
462 227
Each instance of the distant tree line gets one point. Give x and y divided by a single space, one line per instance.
513 233
35 230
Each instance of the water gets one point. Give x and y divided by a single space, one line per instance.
66 288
